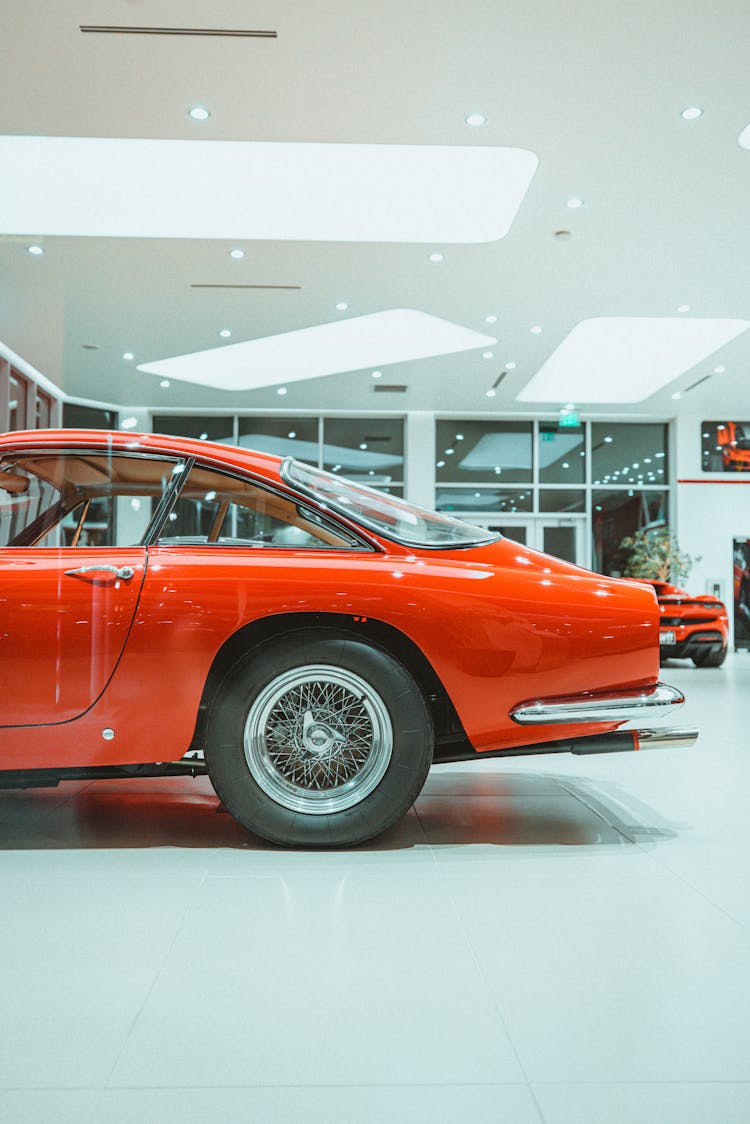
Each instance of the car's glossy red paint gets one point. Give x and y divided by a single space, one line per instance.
111 672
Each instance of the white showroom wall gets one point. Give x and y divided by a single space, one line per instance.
712 509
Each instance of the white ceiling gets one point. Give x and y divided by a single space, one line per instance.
595 89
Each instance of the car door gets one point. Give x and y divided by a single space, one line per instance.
71 572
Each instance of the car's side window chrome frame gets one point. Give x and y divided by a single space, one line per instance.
169 498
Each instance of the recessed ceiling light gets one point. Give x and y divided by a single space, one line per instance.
490 393
608 440
574 203
475 119
342 306
491 319
377 374
199 113
292 433
354 343
237 253
691 112
128 423
510 366
459 437
441 464
536 330
363 445
640 355
241 190
488 355
128 355
436 256
677 394
281 390
683 308
225 333
165 384
720 369
35 249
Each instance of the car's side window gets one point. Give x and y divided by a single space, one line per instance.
79 498
216 509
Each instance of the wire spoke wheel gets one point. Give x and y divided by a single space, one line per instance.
318 739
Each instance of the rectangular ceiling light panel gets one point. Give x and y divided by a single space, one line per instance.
126 188
395 336
626 358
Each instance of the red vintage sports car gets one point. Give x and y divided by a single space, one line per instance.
694 628
173 606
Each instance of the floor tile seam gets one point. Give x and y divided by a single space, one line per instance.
665 1081
286 1085
430 847
487 986
157 974
701 894
482 975
600 815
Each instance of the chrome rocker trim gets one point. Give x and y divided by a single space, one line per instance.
629 710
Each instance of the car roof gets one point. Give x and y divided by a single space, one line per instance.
229 456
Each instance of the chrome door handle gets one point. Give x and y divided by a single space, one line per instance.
124 572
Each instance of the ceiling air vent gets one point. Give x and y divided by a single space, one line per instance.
216 32
390 388
694 384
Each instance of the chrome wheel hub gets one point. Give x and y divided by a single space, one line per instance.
318 739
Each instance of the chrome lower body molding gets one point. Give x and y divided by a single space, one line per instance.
631 710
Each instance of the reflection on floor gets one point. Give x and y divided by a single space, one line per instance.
556 939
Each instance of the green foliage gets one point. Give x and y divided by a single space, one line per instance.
656 555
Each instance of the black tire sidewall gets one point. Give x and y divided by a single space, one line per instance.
396 791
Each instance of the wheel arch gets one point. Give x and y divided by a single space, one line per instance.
448 728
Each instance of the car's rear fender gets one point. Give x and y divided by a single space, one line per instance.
252 636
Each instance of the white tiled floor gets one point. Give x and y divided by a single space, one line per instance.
553 939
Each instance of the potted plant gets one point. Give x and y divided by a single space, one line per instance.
655 555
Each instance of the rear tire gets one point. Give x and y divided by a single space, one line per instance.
319 739
710 658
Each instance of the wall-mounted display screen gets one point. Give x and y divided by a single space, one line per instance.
725 446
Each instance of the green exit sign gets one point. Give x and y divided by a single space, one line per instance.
569 420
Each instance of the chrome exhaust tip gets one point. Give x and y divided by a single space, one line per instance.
678 737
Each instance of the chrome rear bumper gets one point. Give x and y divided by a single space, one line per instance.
631 711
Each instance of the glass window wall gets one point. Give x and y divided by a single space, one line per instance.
368 450
618 514
626 453
483 452
561 453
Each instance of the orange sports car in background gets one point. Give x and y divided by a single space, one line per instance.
174 607
695 628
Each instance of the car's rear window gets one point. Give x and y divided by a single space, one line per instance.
385 514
